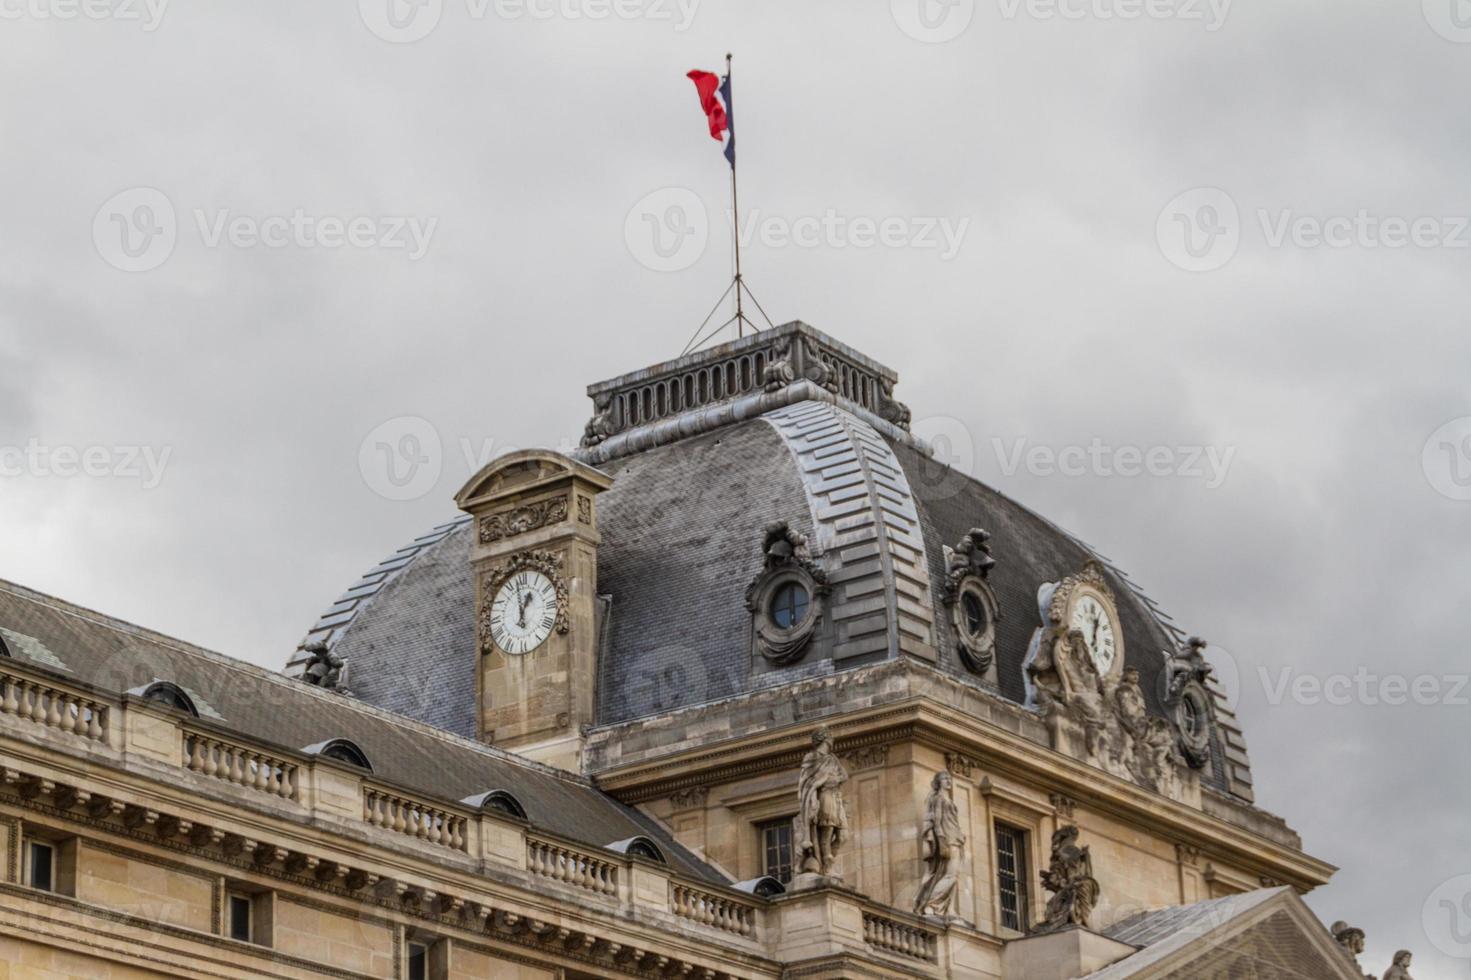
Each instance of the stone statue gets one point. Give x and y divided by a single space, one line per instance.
600 426
1069 877
324 669
944 844
890 410
1160 758
1351 938
1401 968
822 822
1128 700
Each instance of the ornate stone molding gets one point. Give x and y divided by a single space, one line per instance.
1062 806
519 520
786 559
1189 701
689 798
866 758
974 608
960 765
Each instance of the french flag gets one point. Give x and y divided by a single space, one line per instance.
714 94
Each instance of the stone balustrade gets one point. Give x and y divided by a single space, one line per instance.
893 935
47 704
571 866
239 766
413 818
717 911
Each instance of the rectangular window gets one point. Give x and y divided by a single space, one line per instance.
1011 876
240 918
776 849
41 866
418 962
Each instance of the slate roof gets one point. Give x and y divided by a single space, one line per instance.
84 646
682 525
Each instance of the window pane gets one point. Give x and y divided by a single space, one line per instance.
41 871
418 961
1011 876
776 849
240 918
789 606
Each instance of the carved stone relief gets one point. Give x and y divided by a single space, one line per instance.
1189 701
519 520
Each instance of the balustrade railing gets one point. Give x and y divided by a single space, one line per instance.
571 866
901 938
53 707
716 911
240 766
413 818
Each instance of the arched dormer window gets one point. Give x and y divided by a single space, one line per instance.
640 847
341 750
169 695
497 801
762 887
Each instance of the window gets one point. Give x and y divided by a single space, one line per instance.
776 849
418 962
789 605
239 918
1011 876
975 613
41 866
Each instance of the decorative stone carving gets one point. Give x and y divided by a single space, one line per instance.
786 367
866 758
1069 876
689 798
584 509
519 520
1062 806
548 563
600 426
1108 717
889 409
786 560
1188 699
822 818
959 765
974 609
944 846
324 669
1400 969
1351 938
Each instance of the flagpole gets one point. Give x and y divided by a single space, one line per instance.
735 217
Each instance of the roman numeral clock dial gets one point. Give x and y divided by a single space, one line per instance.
524 612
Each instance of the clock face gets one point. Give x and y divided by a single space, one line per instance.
524 612
1092 619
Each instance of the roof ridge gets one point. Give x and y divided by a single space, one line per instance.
276 677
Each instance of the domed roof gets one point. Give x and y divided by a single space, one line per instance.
816 442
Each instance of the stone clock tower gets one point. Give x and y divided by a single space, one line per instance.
534 552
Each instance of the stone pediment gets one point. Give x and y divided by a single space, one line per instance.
524 471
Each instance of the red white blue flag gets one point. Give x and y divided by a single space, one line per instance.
715 101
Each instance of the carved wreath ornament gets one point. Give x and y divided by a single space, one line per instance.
519 520
548 563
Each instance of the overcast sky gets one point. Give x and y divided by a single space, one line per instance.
1142 252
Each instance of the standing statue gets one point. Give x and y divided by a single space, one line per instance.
1159 758
1070 879
822 823
1401 968
324 669
944 844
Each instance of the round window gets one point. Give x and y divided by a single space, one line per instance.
789 605
1190 717
974 613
